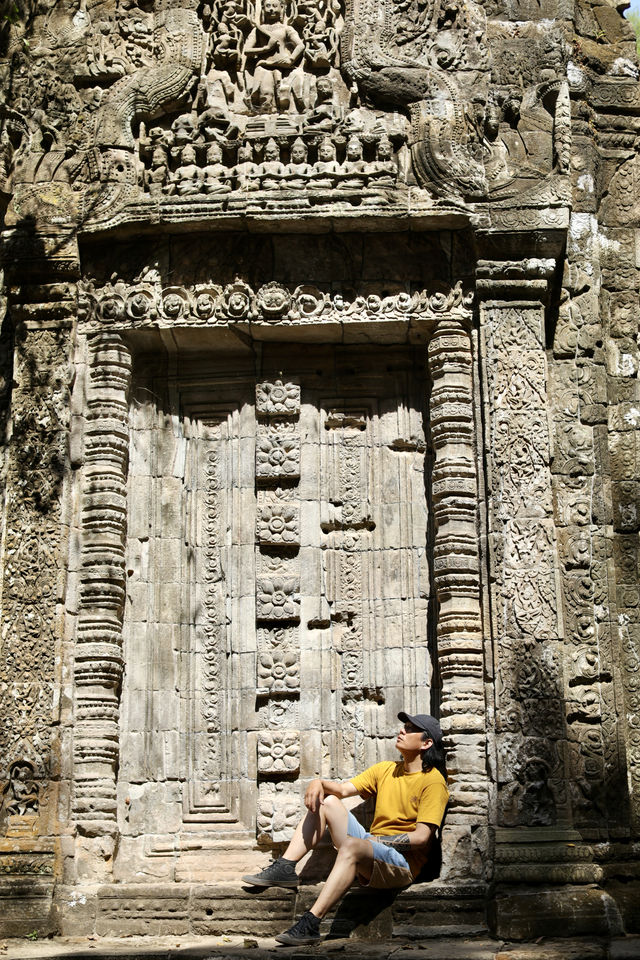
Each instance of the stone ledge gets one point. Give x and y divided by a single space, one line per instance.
125 910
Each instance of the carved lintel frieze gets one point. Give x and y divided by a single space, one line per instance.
119 305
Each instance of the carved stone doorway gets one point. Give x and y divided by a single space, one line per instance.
278 588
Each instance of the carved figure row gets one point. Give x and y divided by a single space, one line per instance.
214 176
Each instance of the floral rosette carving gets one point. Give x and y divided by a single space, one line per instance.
275 398
273 301
278 672
175 303
277 456
278 752
277 598
278 524
277 817
237 302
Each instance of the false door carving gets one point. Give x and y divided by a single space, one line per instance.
278 583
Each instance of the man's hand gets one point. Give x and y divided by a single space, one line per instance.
314 796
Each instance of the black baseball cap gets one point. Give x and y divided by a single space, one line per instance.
424 722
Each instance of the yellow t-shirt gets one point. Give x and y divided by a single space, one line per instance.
403 800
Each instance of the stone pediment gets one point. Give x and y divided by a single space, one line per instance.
374 109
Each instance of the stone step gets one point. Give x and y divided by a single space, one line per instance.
218 909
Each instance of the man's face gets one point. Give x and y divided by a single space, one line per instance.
410 738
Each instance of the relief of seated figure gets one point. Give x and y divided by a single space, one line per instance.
215 174
298 171
383 172
271 170
325 169
158 175
324 115
245 172
187 179
353 172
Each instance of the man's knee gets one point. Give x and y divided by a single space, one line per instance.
332 803
351 849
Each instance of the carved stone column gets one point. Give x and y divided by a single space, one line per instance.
456 568
98 660
535 841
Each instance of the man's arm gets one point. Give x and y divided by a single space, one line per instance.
404 843
319 789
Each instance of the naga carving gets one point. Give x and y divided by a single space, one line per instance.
63 180
472 134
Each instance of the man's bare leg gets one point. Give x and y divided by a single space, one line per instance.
332 814
355 857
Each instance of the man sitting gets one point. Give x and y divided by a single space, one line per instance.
411 797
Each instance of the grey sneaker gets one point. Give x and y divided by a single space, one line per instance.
280 873
306 930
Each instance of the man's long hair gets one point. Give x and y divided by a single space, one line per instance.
434 756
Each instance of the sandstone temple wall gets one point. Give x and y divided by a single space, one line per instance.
319 401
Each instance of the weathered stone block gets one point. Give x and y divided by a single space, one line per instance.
142 910
523 914
26 906
223 910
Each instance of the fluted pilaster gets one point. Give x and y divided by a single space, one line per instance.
98 661
456 565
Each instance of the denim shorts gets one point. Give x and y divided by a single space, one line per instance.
390 868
